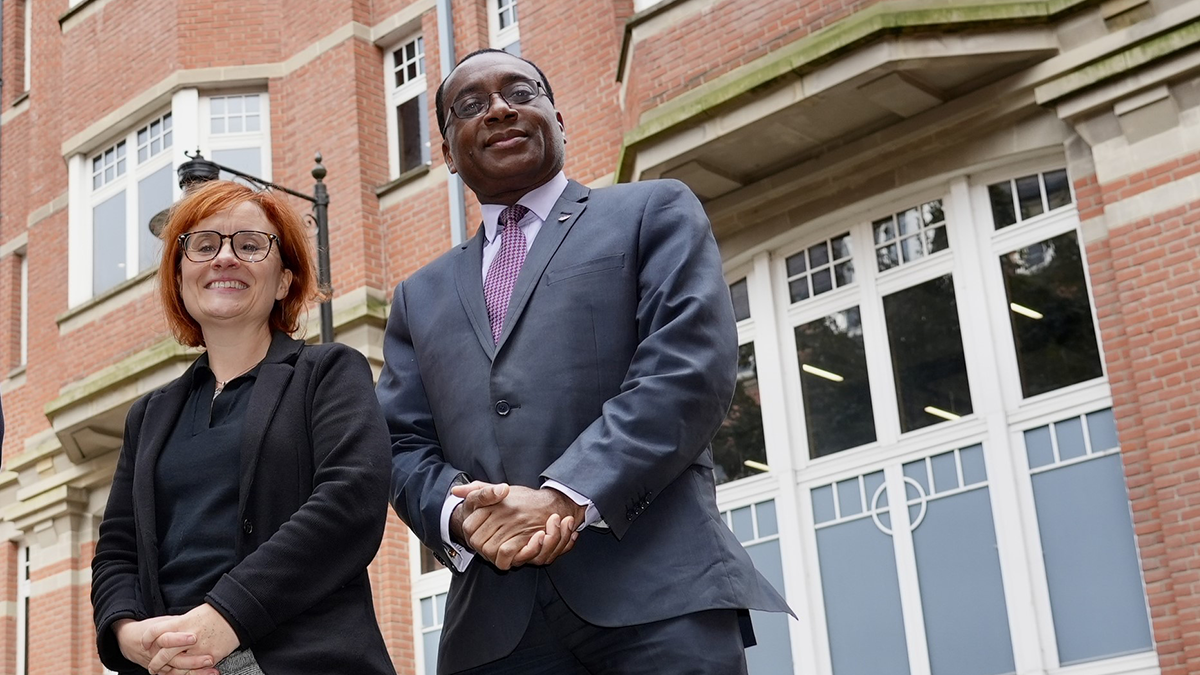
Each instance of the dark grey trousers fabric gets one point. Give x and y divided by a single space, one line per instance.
558 642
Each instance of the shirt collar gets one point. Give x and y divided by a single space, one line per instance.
539 200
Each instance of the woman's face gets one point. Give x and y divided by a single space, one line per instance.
227 291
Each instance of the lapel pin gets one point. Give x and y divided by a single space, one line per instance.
563 217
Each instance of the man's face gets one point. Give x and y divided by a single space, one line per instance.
511 148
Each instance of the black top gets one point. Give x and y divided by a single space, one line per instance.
196 490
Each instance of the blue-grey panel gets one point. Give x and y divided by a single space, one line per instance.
430 641
427 618
849 497
743 524
1096 593
945 472
871 483
974 470
1102 430
917 471
1070 439
154 195
768 524
108 243
773 654
1038 446
862 600
246 160
822 501
962 595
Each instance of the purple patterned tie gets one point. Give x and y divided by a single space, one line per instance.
502 274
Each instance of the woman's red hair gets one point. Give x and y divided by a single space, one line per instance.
294 250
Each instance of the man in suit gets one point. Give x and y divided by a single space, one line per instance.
566 369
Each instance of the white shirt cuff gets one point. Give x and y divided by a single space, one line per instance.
460 556
591 517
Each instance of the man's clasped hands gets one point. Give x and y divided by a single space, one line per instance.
512 525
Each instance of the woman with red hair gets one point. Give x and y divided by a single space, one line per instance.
251 492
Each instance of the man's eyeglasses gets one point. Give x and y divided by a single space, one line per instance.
518 92
248 245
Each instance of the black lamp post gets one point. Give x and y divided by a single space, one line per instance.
200 170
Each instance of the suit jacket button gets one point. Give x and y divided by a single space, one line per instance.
247 526
502 408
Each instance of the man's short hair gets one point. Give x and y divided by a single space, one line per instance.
440 102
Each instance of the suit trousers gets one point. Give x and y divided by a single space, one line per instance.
558 642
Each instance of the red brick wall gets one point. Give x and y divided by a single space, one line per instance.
1145 277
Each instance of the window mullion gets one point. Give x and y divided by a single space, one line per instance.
879 357
906 570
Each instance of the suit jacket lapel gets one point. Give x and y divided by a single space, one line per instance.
469 280
273 377
163 410
562 217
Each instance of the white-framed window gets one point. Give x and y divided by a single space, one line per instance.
23 348
130 181
24 591
27 45
116 189
235 132
408 106
948 414
503 26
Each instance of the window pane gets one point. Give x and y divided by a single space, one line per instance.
154 195
822 499
108 243
430 642
962 594
1096 595
862 600
844 273
1058 188
822 281
1039 447
767 525
818 255
1051 316
796 264
1003 213
833 376
413 132
1102 430
1029 194
1070 439
927 354
740 293
740 438
798 289
246 160
742 524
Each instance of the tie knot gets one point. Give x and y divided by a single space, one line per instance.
512 215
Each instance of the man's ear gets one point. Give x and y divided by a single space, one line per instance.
562 128
446 156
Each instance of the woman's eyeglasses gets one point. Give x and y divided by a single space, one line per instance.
248 245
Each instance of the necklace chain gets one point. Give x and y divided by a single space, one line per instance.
221 383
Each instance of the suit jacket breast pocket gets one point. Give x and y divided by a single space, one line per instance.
602 264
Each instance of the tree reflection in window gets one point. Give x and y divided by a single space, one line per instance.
1050 314
833 378
739 448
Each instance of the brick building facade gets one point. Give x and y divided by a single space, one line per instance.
960 237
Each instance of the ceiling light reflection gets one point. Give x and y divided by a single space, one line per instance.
813 370
1025 311
757 466
944 414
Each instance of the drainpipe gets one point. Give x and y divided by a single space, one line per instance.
458 205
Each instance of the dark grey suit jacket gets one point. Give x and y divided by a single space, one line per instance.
311 504
615 368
